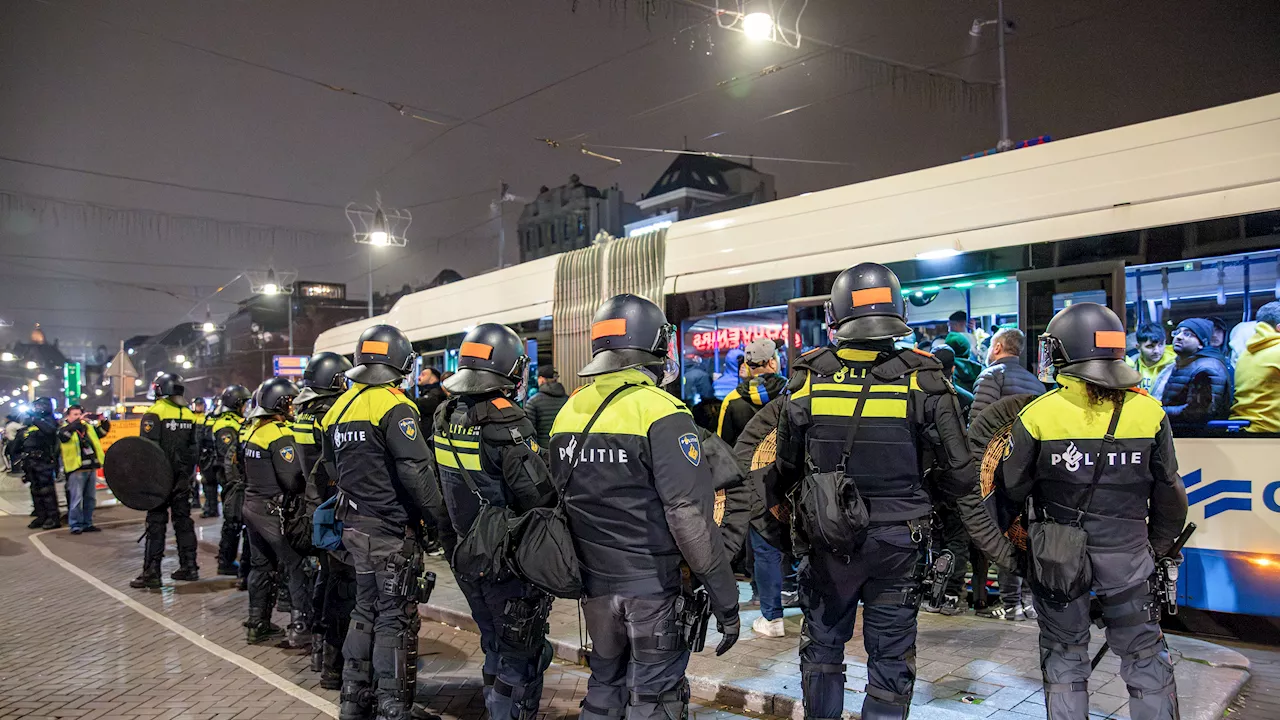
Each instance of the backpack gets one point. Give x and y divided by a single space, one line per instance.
542 551
830 511
481 554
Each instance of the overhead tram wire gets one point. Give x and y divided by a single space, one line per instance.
537 91
165 183
404 109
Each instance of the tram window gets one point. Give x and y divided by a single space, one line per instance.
1204 338
712 349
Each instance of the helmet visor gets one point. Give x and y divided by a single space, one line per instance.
1045 370
670 371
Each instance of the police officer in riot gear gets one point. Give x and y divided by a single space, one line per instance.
172 425
1097 453
865 412
639 499
228 474
273 469
485 449
334 592
40 464
386 490
201 480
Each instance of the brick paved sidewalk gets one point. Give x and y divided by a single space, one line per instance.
76 652
967 667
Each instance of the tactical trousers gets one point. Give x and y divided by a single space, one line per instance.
381 647
210 480
44 493
1133 634
232 524
334 599
512 624
883 575
272 554
184 530
637 659
956 539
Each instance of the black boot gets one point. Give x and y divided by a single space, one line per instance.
188 570
36 522
152 554
259 626
317 649
298 633
233 569
150 577
331 669
48 513
356 701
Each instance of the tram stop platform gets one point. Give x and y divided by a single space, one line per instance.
967 667
80 643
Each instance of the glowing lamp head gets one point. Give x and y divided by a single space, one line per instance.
758 26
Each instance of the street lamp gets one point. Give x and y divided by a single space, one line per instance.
378 227
1004 28
6 357
31 365
180 359
275 283
758 26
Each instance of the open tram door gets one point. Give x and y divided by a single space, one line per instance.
806 326
1042 293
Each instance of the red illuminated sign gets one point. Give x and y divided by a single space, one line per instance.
733 337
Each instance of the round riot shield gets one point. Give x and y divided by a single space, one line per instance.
989 436
138 473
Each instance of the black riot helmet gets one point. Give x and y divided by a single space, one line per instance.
42 406
325 375
169 385
628 331
383 355
233 398
491 358
273 397
199 405
1086 340
866 304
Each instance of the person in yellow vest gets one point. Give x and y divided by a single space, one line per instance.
81 457
199 408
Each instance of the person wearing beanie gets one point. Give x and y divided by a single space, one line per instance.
967 370
1199 385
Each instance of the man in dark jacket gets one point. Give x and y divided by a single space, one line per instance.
543 407
762 384
1199 387
1005 375
430 395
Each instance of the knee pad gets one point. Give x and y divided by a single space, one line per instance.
674 702
875 709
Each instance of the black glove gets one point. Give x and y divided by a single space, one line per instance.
729 625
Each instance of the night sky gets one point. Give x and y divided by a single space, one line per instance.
239 129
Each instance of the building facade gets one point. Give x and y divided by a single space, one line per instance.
569 217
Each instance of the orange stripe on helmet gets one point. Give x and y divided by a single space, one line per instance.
872 296
476 350
609 328
1109 339
375 347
